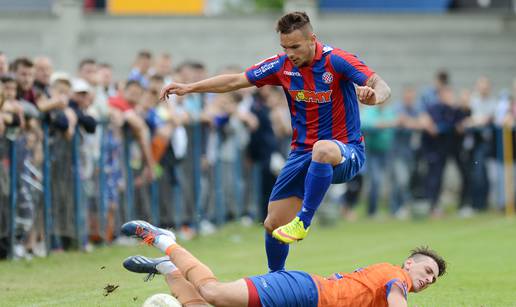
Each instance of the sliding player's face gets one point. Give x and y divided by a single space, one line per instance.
423 271
299 45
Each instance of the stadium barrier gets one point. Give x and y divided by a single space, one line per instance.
67 197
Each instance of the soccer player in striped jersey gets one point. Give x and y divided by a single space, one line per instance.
323 86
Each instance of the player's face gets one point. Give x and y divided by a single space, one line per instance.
423 273
299 45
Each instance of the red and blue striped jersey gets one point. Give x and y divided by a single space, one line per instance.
321 96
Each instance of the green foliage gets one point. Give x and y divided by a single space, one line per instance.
269 4
480 253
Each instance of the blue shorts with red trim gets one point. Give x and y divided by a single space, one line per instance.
291 180
286 289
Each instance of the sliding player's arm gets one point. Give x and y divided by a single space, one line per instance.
217 84
396 298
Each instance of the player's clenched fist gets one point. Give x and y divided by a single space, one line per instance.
173 88
366 95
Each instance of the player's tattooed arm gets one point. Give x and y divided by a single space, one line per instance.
382 91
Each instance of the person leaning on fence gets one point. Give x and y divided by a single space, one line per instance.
56 107
141 67
403 165
43 70
378 124
483 106
13 114
439 139
23 70
2 101
122 107
4 64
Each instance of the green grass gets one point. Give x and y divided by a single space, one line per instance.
481 253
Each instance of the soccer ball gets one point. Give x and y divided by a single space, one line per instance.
161 300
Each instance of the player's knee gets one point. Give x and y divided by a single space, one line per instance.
272 222
269 224
325 152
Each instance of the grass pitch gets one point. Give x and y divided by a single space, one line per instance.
481 253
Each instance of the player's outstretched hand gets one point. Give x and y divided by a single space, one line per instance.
366 95
173 88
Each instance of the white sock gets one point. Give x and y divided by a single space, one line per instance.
166 267
163 242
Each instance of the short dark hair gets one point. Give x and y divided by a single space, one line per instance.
6 79
21 62
290 22
132 82
443 77
426 251
145 54
105 65
157 77
197 65
86 61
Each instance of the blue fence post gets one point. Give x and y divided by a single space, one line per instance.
47 189
102 183
177 196
196 151
154 190
500 188
238 181
129 182
218 184
257 191
77 195
12 193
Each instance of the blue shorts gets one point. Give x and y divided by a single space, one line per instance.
286 289
291 180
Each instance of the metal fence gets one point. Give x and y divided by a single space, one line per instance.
73 194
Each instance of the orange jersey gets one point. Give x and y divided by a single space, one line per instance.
364 287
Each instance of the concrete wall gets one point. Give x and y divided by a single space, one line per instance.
402 48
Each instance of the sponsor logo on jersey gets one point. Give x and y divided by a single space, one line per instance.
292 73
265 67
311 96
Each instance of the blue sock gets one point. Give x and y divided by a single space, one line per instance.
277 253
317 182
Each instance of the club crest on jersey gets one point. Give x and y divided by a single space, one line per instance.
327 77
311 96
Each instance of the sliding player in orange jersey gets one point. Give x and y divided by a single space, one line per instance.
194 284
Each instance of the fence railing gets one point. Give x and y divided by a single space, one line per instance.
184 192
79 187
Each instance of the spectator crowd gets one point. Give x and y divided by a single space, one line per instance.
120 130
